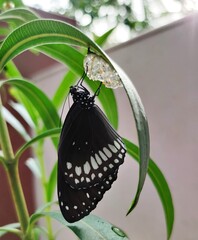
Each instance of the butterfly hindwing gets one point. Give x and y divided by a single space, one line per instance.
76 204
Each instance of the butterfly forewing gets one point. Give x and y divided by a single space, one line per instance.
90 153
91 149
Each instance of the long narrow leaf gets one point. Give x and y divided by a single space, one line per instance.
17 16
40 32
103 39
13 72
52 182
160 184
10 228
34 166
63 89
48 133
15 123
21 110
91 227
142 130
41 103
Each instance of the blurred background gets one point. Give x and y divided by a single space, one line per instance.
155 42
130 17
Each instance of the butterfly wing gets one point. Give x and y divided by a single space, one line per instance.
76 204
90 149
89 155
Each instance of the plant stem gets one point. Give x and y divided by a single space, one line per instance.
17 194
5 139
11 166
44 186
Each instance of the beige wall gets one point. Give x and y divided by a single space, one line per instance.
164 68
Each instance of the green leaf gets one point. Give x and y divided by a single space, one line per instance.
40 32
45 206
63 89
17 3
142 130
22 98
21 110
52 182
47 133
160 184
12 72
17 16
39 213
10 228
41 102
91 227
15 123
103 39
34 166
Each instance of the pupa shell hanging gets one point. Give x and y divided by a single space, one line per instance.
97 68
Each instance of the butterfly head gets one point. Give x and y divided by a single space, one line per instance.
82 96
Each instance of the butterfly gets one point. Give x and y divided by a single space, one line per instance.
89 154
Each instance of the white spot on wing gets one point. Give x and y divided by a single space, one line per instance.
107 152
103 156
94 163
105 169
98 159
116 161
78 170
117 144
88 179
87 168
111 165
113 148
87 195
82 179
69 165
99 175
76 181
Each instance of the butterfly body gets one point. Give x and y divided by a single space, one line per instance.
89 155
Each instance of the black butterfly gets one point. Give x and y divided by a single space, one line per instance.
89 155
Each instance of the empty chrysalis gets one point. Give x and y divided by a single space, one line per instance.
97 68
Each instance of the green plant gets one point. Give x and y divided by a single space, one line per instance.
56 39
